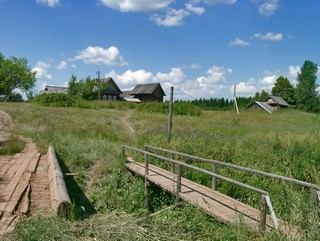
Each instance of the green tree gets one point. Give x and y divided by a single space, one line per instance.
85 88
261 96
15 74
284 89
306 95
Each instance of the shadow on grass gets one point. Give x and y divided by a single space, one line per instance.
82 208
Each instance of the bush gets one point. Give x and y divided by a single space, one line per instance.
179 108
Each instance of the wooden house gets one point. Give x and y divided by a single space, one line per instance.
49 89
112 92
147 92
276 102
271 104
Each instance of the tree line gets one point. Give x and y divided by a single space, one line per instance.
304 96
17 77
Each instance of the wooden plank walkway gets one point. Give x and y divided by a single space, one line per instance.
216 204
17 188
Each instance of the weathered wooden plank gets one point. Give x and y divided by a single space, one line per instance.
17 194
25 203
9 165
34 163
24 161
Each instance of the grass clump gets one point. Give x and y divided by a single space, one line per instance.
12 146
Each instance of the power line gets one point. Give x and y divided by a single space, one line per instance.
185 93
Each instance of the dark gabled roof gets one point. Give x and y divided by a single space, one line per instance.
111 82
146 89
264 105
54 89
278 100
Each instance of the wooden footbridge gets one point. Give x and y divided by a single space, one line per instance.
216 204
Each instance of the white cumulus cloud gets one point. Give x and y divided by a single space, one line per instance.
62 65
220 1
98 55
172 17
267 82
41 71
137 5
215 75
50 3
268 7
238 42
195 9
175 76
130 78
245 88
269 36
293 71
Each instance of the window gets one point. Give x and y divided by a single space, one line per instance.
109 97
104 97
114 97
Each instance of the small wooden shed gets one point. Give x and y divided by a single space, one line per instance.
148 92
271 104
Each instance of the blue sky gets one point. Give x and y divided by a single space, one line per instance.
201 47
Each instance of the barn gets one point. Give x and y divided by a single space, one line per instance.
146 92
271 104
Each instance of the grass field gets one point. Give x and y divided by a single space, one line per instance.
109 203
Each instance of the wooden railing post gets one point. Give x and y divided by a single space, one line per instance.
214 179
123 151
172 164
146 182
178 187
263 213
314 203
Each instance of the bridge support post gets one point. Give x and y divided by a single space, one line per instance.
315 198
178 187
146 182
172 164
263 213
214 179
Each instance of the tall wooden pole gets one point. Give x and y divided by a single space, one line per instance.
170 114
98 73
235 99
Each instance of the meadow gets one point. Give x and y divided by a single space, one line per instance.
109 201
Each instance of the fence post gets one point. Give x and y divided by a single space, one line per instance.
146 182
263 213
214 179
172 164
314 203
123 152
178 187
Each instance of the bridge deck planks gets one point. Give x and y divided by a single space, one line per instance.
216 204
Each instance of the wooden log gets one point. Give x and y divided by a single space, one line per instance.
60 199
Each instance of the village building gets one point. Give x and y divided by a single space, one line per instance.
271 104
145 92
49 89
112 92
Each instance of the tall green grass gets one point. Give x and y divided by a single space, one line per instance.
88 142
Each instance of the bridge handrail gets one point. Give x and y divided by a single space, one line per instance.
199 170
246 169
265 198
